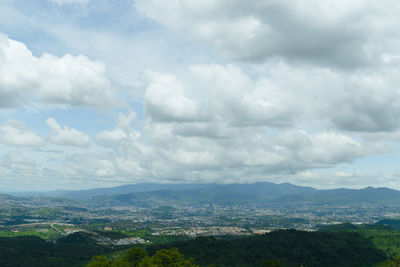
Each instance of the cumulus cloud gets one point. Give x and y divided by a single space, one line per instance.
219 124
66 136
241 100
342 34
369 102
226 94
67 80
15 133
158 152
165 99
124 121
18 171
63 2
358 101
89 165
348 179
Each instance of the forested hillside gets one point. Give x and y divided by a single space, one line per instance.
73 250
294 248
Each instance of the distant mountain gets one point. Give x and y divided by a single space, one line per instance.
258 193
5 197
36 201
152 194
124 189
268 190
345 196
228 194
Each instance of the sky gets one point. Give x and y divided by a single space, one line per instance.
99 93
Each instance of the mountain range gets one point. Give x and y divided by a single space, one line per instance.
146 194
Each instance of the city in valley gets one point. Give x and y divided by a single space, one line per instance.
121 219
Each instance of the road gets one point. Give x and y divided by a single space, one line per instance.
58 230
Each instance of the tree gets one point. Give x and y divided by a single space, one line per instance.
395 262
170 258
120 263
273 263
138 257
135 255
99 261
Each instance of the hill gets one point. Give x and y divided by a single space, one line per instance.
229 194
294 248
73 250
150 194
392 223
345 196
258 193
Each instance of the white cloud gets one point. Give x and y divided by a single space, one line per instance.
85 165
332 178
232 125
343 34
124 121
165 99
304 86
67 80
123 135
159 153
15 133
240 100
63 2
19 169
217 93
66 136
358 101
111 136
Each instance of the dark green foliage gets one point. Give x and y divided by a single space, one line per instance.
137 257
294 248
73 250
353 227
381 235
338 227
99 261
395 262
393 223
273 263
169 258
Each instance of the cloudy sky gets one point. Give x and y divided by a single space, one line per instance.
97 93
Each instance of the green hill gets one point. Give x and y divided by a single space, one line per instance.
73 250
294 248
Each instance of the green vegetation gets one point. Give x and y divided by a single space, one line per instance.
334 245
395 262
273 263
42 231
138 257
382 236
293 248
73 250
393 223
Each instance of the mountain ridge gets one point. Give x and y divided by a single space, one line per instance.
149 194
